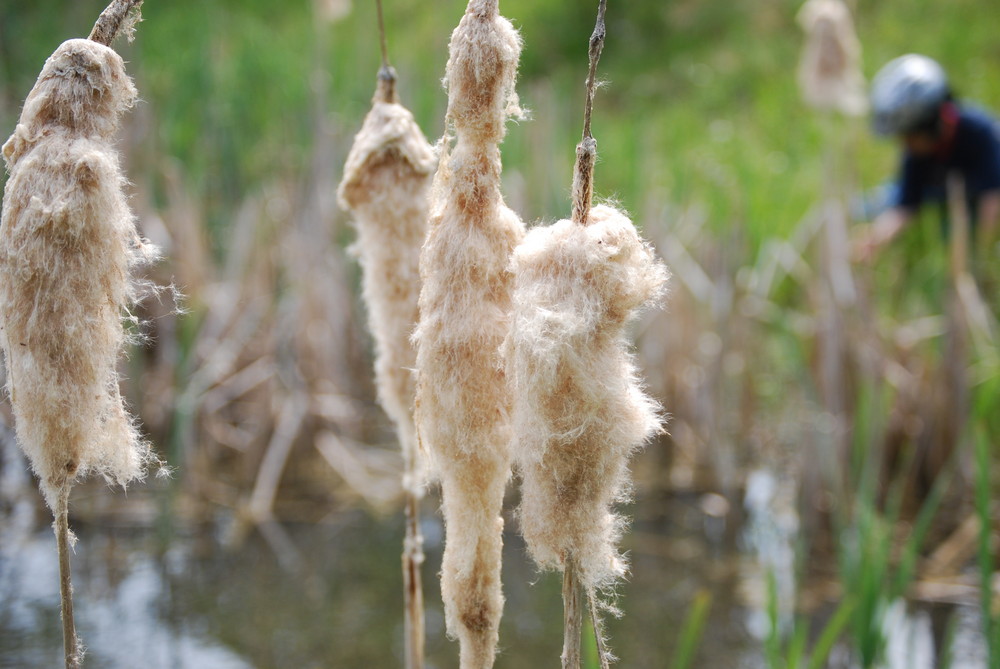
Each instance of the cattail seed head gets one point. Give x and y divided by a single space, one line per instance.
67 246
830 74
463 402
580 410
386 184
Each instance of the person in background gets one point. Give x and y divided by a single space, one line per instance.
912 100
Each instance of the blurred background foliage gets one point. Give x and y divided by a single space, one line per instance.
701 104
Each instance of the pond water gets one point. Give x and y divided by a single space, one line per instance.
158 596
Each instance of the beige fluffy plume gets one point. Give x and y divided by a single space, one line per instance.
580 410
386 185
829 73
67 245
463 401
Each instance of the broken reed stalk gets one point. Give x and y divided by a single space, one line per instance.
120 15
463 400
386 184
579 407
68 244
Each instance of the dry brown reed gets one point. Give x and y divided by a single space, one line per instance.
463 401
830 70
386 185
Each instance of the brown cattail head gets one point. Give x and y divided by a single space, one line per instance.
386 185
463 401
580 410
830 70
67 245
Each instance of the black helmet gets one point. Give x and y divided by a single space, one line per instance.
907 94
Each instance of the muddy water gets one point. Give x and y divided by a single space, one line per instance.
327 595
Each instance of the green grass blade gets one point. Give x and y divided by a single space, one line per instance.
694 625
828 637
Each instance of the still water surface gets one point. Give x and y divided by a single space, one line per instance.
180 598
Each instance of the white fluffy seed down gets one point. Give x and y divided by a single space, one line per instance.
579 410
386 185
829 73
67 245
463 402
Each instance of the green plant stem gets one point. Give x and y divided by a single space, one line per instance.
61 527
572 616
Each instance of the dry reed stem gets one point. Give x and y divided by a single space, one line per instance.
72 649
463 401
829 72
580 410
572 617
413 584
386 184
120 16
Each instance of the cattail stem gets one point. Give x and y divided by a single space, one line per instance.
61 527
586 150
572 616
386 91
383 43
413 557
112 20
596 47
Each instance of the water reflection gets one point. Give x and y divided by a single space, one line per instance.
182 599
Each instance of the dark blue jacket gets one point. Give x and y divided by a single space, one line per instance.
974 152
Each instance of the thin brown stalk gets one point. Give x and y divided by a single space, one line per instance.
71 645
586 150
386 91
413 557
120 15
381 34
572 616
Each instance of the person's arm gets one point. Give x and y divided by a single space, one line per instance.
886 227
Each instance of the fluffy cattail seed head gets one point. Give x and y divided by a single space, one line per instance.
463 401
386 185
580 410
830 70
67 245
